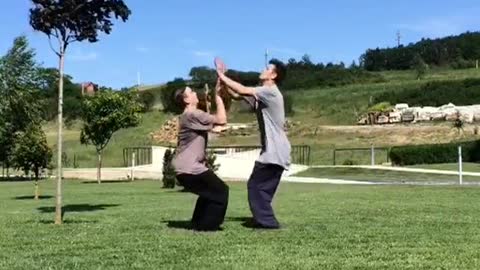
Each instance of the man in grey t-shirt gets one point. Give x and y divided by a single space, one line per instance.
189 161
267 100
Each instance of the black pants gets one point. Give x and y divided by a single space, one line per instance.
212 199
262 185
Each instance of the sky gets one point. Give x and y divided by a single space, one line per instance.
164 39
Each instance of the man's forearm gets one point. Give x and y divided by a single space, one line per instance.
237 87
221 115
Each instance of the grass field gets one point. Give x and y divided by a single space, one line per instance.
467 167
384 176
139 226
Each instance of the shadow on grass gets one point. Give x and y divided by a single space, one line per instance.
106 181
187 225
46 197
240 219
19 179
68 221
78 208
179 224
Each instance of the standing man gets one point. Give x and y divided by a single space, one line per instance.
190 161
275 155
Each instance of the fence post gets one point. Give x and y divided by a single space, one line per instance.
460 167
334 157
133 166
372 154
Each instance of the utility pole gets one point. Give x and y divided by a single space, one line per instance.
399 38
266 57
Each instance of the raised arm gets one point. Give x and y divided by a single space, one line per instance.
235 86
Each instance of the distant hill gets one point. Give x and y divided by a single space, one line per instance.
458 52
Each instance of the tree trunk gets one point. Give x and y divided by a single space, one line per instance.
58 205
37 192
99 167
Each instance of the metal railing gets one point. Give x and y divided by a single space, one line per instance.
361 156
143 155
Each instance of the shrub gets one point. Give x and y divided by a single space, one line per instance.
169 176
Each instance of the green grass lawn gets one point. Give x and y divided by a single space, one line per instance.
382 175
135 226
467 167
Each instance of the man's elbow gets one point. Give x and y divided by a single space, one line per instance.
221 120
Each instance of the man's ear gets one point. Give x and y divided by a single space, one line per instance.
274 75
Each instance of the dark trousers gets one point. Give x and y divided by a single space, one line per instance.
262 185
212 199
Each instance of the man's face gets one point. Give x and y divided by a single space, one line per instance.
268 73
190 96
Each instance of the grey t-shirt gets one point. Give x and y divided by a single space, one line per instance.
192 142
269 107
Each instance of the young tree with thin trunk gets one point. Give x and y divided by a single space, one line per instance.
70 21
104 114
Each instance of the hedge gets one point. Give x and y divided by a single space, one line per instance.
434 153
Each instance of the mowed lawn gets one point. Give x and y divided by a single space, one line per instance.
139 226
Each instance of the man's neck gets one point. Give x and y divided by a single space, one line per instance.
268 83
190 108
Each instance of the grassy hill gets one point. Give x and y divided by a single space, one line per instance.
314 109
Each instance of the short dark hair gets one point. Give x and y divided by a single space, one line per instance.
180 98
280 69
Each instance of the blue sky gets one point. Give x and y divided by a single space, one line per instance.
164 39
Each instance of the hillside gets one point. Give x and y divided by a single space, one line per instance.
322 117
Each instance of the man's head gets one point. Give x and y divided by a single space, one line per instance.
275 71
185 97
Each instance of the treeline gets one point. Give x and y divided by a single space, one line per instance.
304 74
457 52
436 93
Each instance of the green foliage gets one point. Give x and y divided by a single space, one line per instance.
288 104
31 152
202 75
436 93
349 162
420 67
304 74
72 95
168 95
76 20
457 51
461 63
168 171
147 99
210 162
435 153
107 112
381 107
20 105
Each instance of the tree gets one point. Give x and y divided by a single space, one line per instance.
419 66
202 75
70 21
167 95
148 100
32 153
20 105
104 114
